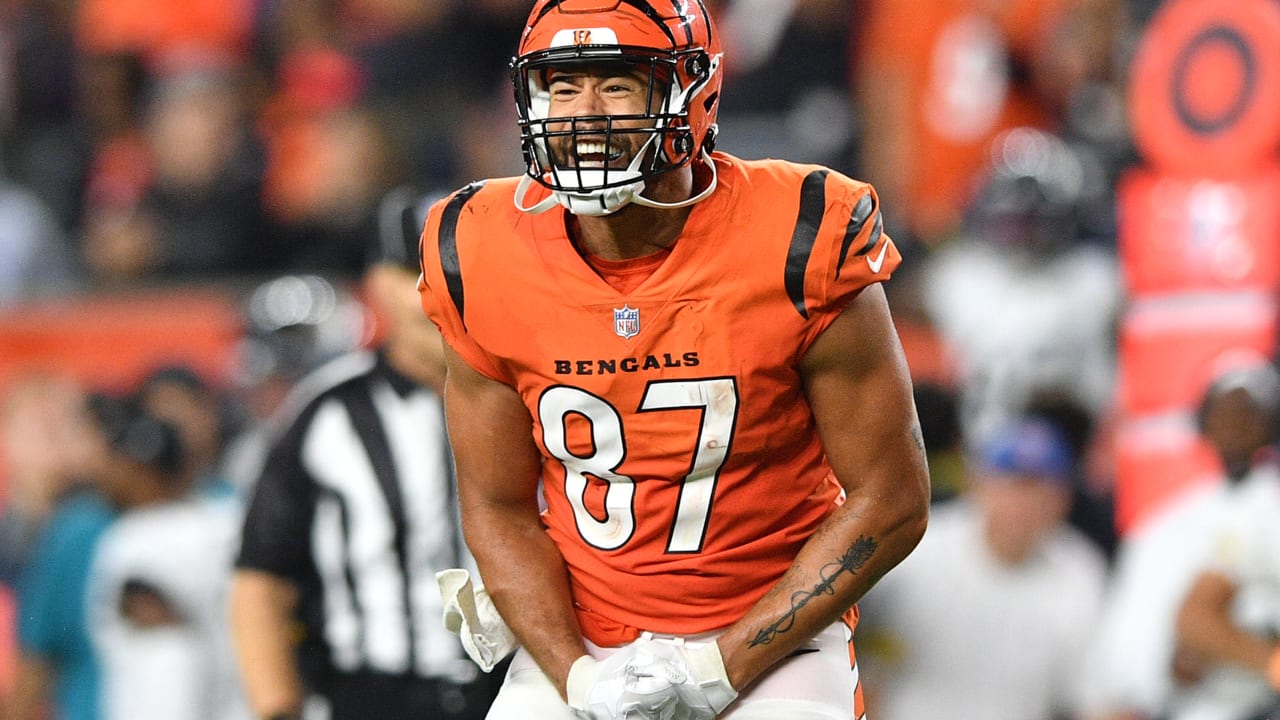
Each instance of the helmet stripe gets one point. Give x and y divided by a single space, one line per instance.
644 7
687 21
545 9
706 20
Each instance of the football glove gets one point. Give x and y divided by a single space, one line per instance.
470 614
651 680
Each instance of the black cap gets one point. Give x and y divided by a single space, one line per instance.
401 216
133 432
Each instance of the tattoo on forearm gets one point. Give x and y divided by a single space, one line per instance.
851 562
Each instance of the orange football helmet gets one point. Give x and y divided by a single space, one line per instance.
674 43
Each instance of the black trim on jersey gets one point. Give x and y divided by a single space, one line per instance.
858 220
877 229
448 242
813 205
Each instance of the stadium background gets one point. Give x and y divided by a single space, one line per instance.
333 104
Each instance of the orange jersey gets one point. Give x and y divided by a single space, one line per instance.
681 466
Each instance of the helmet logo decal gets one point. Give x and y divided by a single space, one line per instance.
626 322
584 36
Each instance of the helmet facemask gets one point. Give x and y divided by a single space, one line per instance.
577 157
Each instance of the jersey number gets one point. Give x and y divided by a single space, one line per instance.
715 398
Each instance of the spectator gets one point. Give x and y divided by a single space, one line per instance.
938 81
352 514
988 618
157 595
1228 624
58 670
1026 307
1133 668
49 446
44 123
179 396
783 95
36 259
329 159
195 207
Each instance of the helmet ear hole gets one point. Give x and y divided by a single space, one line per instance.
696 65
683 143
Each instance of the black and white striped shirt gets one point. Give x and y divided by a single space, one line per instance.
355 504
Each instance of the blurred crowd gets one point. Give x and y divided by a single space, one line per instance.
250 144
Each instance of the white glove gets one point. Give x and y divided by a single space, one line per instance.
470 614
651 680
583 674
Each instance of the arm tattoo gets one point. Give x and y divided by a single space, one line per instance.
854 558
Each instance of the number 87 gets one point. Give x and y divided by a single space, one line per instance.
715 398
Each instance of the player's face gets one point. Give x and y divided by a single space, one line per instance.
593 92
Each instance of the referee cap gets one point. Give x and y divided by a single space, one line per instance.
401 215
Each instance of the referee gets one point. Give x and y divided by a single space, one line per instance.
335 609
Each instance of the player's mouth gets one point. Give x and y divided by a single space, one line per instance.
596 154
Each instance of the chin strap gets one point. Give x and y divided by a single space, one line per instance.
710 188
596 203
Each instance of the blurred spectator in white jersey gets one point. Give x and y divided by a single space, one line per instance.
1134 669
1228 625
988 618
157 596
1023 302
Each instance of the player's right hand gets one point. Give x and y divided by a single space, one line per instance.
650 680
627 685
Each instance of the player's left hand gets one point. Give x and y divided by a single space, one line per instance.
661 680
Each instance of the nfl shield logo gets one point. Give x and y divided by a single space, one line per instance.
626 322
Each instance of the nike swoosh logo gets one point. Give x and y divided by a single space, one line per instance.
879 261
803 651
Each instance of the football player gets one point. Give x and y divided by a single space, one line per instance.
682 420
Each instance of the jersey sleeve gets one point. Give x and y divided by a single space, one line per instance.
851 250
440 285
276 532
